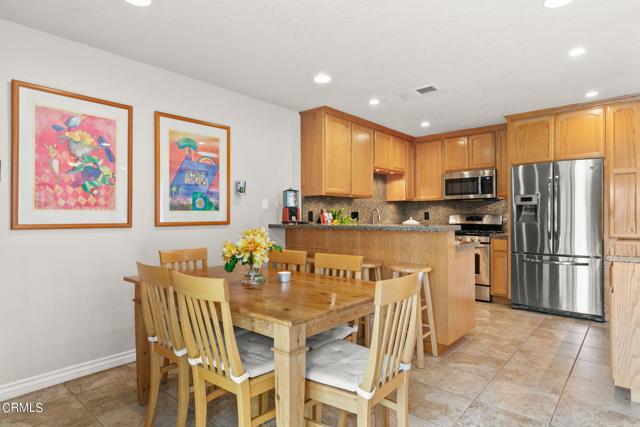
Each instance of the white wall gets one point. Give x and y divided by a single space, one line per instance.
62 299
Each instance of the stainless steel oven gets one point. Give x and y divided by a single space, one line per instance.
478 229
478 184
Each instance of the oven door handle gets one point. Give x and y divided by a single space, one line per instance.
550 261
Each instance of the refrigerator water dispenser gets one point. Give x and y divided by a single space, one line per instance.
527 208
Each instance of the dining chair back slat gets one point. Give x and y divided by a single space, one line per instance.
288 260
347 266
184 260
204 307
394 329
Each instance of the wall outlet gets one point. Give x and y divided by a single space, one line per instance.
426 215
265 204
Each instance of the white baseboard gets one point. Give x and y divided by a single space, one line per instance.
20 387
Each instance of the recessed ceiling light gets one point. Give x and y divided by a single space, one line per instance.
552 4
591 94
374 101
425 124
577 51
322 78
140 3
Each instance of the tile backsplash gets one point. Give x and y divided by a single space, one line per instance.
396 212
391 212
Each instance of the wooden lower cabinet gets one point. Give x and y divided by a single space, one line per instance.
625 327
499 268
452 276
428 173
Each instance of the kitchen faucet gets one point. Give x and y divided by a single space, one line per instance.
373 216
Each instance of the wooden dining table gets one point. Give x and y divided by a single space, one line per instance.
287 312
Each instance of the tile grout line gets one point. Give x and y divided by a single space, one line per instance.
570 372
83 405
475 399
501 368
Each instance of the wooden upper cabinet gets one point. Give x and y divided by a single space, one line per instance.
502 164
401 187
455 154
337 155
428 170
623 149
361 161
398 155
482 151
383 147
580 134
531 140
327 153
410 173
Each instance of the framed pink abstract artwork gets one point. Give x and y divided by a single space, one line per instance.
71 160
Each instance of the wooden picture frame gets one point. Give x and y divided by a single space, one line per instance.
68 152
177 203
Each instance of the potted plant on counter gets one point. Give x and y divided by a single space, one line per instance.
252 250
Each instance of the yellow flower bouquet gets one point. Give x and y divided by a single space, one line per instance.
253 250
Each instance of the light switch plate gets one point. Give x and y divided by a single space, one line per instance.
265 204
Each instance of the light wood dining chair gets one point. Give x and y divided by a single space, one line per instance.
349 266
354 378
288 260
240 365
165 337
185 259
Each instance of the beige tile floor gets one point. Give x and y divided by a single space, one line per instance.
517 368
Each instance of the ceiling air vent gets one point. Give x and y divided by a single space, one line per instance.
426 89
417 92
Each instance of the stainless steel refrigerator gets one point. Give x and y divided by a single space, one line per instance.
557 226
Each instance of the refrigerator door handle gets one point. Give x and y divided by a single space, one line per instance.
549 210
550 261
556 225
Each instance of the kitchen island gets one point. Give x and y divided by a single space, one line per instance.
452 276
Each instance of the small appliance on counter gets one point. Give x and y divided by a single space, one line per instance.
478 229
291 210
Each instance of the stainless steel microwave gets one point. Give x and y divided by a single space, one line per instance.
478 184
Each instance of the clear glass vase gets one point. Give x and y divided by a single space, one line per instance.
254 277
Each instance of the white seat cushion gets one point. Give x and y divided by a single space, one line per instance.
338 363
255 353
338 333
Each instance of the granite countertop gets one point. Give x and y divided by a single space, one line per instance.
373 227
618 258
499 236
